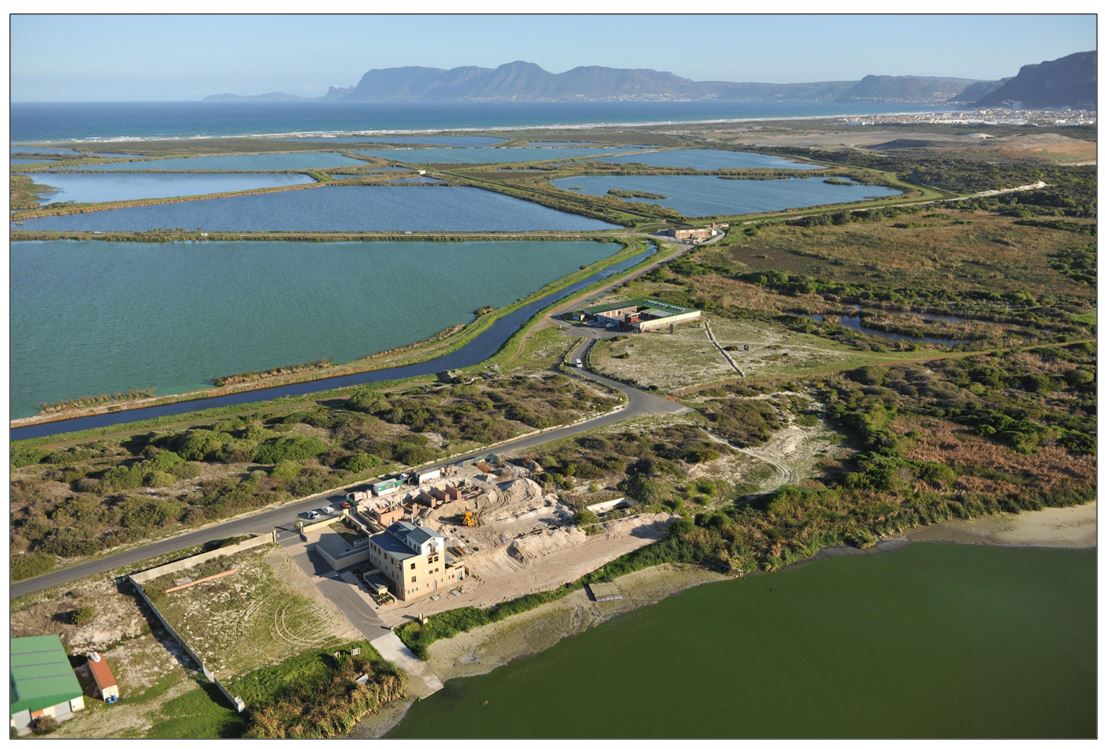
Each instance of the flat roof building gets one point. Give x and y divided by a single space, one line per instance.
43 684
641 314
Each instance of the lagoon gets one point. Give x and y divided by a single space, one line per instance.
335 208
100 188
95 317
462 141
245 162
707 159
482 155
926 641
705 195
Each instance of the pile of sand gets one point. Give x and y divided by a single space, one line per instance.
530 548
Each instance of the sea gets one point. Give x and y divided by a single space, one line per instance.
113 121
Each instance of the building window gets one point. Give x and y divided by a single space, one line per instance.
414 579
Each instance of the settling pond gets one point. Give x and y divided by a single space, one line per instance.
234 162
335 209
483 155
102 188
709 159
461 141
103 317
928 641
704 195
475 351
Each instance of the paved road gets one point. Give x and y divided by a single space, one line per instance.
345 596
639 403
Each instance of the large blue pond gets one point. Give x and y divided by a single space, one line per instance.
716 196
246 162
482 155
103 188
462 141
334 209
708 160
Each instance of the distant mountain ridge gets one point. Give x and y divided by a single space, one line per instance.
1070 81
526 81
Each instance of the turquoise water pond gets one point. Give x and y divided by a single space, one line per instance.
102 317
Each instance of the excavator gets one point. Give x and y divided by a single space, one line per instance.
470 518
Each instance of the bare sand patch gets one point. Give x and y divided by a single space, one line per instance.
1060 527
684 358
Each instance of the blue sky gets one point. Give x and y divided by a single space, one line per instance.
122 58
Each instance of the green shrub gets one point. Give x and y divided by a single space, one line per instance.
360 462
291 447
81 616
286 469
25 455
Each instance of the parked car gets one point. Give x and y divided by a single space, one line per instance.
327 510
311 515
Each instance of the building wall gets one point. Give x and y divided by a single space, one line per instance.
663 322
21 721
417 576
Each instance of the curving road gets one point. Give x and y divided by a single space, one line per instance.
638 403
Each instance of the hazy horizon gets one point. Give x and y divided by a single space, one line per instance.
173 58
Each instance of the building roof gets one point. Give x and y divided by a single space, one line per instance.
639 303
412 535
392 546
402 540
101 672
40 674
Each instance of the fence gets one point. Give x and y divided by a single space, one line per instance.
192 561
138 578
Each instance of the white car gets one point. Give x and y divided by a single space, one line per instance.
310 515
327 510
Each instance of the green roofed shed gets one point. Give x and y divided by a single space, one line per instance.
40 674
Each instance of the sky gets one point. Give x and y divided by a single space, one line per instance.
176 58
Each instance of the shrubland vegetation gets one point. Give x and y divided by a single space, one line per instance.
312 695
72 498
1009 282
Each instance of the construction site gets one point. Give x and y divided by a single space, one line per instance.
503 535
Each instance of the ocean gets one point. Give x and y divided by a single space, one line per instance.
107 121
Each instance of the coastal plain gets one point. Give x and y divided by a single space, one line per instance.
896 348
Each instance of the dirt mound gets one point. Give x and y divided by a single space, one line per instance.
532 547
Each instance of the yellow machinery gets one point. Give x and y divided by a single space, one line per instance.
470 519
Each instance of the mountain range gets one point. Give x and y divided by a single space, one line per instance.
1070 81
